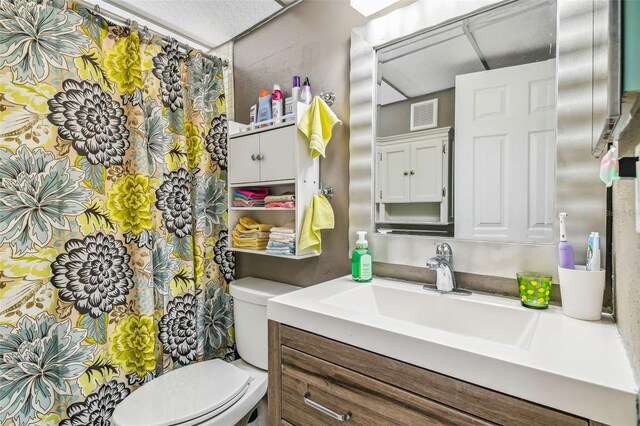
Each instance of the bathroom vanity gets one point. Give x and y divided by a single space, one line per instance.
390 353
369 389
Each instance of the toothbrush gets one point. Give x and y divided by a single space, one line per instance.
565 250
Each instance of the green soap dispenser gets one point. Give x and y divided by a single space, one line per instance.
361 260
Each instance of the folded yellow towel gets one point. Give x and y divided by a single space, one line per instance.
251 224
242 230
319 216
245 236
250 243
316 124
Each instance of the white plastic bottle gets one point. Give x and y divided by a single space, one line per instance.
296 91
593 252
277 103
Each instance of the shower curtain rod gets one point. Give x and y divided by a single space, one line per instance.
127 22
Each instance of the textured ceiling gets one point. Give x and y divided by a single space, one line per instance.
210 23
511 35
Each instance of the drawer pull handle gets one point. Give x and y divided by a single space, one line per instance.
344 417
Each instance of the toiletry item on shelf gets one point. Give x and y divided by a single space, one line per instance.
253 114
361 270
264 107
296 90
565 250
288 110
593 252
305 96
277 103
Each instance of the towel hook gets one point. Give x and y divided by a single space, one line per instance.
327 191
328 97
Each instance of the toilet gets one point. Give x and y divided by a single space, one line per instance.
214 393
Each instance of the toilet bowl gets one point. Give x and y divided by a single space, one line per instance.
212 393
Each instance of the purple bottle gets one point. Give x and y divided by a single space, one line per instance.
565 250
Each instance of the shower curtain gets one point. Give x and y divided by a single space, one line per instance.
113 260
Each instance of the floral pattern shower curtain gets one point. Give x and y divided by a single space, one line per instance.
113 260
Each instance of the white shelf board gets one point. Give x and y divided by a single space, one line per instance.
263 183
263 129
263 253
263 209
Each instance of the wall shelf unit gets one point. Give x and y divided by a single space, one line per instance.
276 157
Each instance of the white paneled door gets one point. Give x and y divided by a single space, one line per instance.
505 126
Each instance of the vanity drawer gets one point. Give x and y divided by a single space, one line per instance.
360 400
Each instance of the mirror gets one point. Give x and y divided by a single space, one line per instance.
503 190
466 125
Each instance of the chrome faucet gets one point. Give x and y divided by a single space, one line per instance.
445 278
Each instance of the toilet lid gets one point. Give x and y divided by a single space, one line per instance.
197 391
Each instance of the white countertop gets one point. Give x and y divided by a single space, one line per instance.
575 366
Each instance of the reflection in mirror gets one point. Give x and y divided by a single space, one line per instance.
466 124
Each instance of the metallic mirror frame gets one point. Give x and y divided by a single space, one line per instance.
578 189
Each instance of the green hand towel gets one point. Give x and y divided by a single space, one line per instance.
316 124
319 216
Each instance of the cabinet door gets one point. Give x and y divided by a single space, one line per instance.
278 154
426 171
243 163
393 173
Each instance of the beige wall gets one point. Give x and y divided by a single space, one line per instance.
312 39
394 119
626 254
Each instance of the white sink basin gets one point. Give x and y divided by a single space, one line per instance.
452 313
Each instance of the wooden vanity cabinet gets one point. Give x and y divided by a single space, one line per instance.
314 380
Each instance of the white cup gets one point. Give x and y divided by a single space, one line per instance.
582 292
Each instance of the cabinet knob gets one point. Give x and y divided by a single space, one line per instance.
259 157
253 157
412 172
406 173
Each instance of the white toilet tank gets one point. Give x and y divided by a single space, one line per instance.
250 297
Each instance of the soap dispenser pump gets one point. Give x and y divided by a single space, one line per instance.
361 270
565 250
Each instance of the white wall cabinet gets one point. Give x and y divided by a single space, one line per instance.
263 156
276 157
413 168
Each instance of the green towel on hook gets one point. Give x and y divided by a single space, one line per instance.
319 216
316 124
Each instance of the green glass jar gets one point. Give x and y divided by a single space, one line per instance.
534 289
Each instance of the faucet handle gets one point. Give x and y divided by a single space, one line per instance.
444 250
